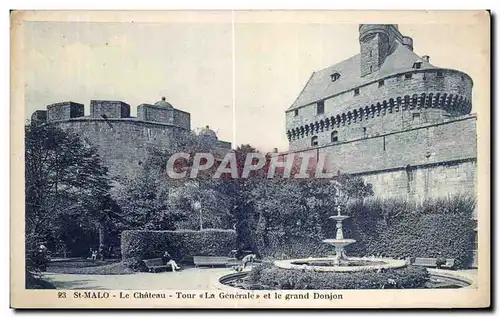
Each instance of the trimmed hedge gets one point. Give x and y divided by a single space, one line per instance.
279 246
273 277
438 228
139 245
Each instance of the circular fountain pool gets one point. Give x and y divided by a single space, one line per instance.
438 279
351 264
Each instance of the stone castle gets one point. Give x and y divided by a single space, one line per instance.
390 116
385 114
122 140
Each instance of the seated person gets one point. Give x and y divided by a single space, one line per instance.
233 254
168 260
250 258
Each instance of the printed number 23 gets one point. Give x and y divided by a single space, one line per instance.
61 295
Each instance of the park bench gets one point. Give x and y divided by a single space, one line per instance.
432 262
427 262
210 260
155 264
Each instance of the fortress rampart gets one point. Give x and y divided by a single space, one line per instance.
122 141
416 163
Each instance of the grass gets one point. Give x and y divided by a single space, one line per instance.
88 267
37 283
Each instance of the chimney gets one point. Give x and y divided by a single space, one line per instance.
275 150
426 58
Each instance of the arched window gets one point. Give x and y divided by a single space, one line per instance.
334 136
314 141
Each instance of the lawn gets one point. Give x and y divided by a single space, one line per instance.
33 282
88 267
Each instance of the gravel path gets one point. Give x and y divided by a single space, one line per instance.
187 279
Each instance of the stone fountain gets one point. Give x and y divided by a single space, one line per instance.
340 262
339 242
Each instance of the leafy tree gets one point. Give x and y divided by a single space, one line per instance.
152 200
144 200
66 186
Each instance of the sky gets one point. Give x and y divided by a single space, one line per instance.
238 78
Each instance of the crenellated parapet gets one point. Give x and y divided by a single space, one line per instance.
64 110
155 113
161 112
448 104
109 109
123 142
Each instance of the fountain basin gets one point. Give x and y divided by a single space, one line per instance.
339 217
339 242
351 264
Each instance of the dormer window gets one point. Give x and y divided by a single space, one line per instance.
335 76
296 113
320 107
417 65
408 75
356 91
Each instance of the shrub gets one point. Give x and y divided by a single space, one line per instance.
139 245
32 282
273 277
438 228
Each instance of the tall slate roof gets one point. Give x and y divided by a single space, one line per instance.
320 85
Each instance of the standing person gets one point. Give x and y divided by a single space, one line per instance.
101 252
42 258
168 260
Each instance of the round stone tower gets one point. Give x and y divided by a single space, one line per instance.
383 89
122 141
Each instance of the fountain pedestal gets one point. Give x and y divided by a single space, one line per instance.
339 242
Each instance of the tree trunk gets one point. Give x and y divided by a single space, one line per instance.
102 239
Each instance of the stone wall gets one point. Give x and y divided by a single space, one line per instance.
160 114
64 110
429 160
109 109
123 143
423 182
